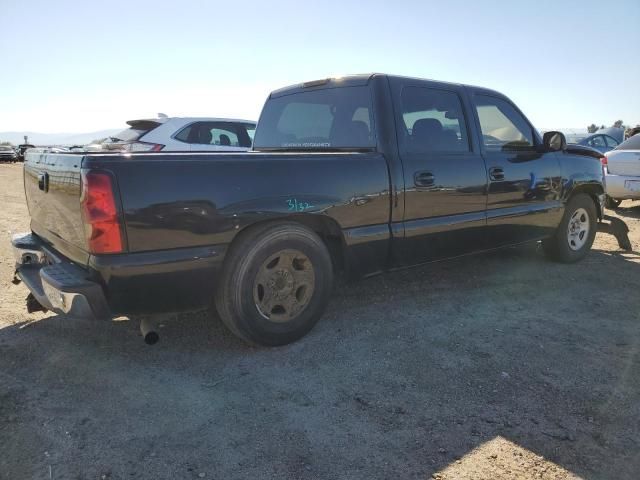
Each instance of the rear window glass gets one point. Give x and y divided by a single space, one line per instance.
318 119
129 135
137 130
632 143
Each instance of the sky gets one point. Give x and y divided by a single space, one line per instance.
82 66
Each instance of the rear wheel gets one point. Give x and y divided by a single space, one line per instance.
612 202
275 284
576 232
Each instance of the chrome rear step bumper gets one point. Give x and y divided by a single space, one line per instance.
58 285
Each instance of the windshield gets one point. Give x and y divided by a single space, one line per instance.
332 118
5 148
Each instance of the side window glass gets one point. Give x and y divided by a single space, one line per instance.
503 127
203 134
611 142
224 134
183 135
433 121
597 141
251 131
223 137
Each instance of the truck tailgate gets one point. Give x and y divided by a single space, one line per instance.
52 185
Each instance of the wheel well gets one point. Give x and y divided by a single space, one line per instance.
325 227
593 191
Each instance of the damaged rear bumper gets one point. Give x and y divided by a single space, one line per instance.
57 284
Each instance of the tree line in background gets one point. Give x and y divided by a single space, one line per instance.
593 128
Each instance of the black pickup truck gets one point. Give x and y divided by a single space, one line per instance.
359 174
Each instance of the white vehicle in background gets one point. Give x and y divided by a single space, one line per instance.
184 134
92 147
622 172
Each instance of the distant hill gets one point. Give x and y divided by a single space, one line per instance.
36 138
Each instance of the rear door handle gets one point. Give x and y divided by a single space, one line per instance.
423 179
496 174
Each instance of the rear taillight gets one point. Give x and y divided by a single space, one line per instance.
604 161
102 226
143 147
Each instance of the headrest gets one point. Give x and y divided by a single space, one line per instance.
205 136
426 126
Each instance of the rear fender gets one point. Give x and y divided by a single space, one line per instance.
356 251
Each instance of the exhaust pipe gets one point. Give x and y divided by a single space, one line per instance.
148 331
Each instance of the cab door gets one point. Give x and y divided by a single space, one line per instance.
523 201
445 177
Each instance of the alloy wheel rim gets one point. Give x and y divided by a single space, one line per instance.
284 285
578 229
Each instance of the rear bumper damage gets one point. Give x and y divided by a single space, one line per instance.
57 284
143 283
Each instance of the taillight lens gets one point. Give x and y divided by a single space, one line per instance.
143 147
102 226
604 161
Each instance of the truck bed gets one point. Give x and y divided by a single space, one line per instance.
181 210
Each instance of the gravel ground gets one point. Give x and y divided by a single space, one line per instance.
495 366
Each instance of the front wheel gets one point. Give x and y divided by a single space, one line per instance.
576 232
275 284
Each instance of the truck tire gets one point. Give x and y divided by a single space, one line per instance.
612 203
275 284
576 232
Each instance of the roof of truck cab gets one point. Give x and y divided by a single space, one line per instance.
363 79
329 82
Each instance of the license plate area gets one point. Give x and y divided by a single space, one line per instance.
632 185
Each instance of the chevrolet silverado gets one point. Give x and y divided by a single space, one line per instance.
359 174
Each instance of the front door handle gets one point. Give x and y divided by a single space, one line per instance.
496 174
423 179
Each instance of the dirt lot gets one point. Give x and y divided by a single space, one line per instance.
497 366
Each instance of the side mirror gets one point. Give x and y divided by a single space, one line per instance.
554 141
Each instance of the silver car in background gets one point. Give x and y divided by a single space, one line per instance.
7 153
622 172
